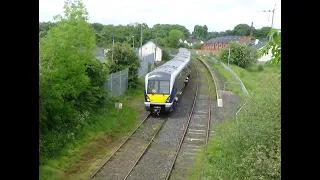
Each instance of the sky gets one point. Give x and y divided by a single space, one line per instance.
218 15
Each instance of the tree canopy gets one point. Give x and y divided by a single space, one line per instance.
70 75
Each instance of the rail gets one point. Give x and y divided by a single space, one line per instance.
124 142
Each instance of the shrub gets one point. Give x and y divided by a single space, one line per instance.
240 55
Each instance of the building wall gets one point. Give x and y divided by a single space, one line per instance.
213 46
150 48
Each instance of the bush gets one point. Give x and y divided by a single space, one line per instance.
240 55
250 149
124 57
165 54
260 68
196 46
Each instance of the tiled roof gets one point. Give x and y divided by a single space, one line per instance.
225 39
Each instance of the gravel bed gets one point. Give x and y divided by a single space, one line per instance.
156 162
120 164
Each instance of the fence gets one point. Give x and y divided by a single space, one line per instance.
147 64
117 83
243 88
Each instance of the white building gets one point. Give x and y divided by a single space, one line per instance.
152 47
259 45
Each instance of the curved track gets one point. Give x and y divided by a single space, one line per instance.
196 134
121 162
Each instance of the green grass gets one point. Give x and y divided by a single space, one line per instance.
251 148
98 140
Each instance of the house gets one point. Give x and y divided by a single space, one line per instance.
259 45
100 54
151 47
191 41
221 42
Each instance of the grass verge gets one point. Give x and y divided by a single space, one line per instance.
99 139
250 149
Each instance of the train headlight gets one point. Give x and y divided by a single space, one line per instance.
168 99
148 100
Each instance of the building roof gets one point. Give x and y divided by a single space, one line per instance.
225 39
192 40
259 45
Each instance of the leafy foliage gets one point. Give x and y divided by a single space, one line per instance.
174 36
240 54
242 30
251 148
196 46
125 57
274 45
165 54
200 32
70 78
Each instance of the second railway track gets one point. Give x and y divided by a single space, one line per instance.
197 131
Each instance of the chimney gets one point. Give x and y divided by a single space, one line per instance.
251 31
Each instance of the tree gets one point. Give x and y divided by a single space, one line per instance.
263 32
124 57
274 45
200 32
174 36
240 54
242 30
70 75
97 26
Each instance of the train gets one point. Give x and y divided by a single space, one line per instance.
165 84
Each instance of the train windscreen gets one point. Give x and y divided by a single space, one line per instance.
158 87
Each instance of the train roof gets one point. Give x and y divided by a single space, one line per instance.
175 65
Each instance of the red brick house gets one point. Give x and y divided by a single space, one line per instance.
221 42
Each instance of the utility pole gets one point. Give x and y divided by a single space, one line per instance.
113 36
155 52
133 41
141 41
272 14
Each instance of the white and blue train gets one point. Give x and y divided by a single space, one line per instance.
164 85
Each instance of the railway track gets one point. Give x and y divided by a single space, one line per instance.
196 134
121 162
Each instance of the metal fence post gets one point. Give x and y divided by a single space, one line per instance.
120 84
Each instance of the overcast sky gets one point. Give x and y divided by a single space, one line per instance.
218 15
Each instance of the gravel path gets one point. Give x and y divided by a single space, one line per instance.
157 160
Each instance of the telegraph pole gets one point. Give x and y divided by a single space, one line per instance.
272 14
141 40
113 36
155 52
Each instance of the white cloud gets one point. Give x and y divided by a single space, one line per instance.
218 15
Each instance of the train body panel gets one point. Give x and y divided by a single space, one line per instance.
164 85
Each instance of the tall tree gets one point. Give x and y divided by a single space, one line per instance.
242 30
70 75
174 36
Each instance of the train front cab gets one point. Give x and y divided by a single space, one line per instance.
158 95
